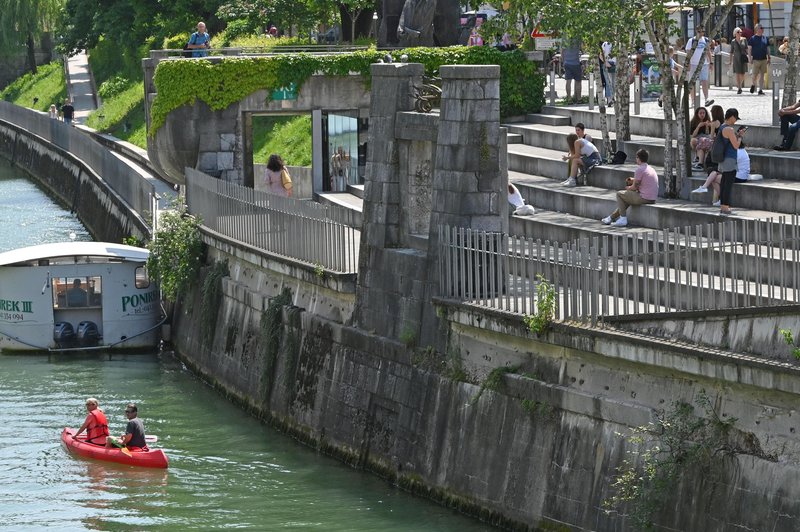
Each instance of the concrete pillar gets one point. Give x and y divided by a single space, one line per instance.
392 86
469 183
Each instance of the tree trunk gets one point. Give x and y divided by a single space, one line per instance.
790 83
622 99
31 46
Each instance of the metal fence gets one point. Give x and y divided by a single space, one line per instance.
735 264
137 191
302 230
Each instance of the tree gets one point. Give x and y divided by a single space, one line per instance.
790 85
358 13
660 27
22 21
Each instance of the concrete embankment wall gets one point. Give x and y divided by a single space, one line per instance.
541 450
76 183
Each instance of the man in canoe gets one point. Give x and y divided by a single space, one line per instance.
133 439
95 425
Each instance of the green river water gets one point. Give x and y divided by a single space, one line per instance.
227 471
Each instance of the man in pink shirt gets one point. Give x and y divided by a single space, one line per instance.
641 190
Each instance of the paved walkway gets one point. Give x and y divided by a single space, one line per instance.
79 87
753 109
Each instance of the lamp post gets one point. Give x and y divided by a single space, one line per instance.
375 25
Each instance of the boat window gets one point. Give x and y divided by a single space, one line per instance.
77 292
142 279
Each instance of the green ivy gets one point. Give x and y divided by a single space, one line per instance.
176 251
222 83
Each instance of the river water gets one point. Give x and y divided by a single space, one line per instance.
226 469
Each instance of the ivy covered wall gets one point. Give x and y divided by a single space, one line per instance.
221 83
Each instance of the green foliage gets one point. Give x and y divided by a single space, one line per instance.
319 270
537 408
112 87
789 339
409 336
222 83
176 42
212 297
494 380
288 136
123 115
688 444
539 322
176 251
48 85
133 241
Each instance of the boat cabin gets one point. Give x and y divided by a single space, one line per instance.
77 295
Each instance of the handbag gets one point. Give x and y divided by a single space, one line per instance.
286 179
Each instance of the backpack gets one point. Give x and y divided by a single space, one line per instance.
187 52
619 158
718 148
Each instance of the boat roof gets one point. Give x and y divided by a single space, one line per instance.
74 249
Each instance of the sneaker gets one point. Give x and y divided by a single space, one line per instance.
700 189
760 92
697 166
566 181
740 91
696 159
570 182
709 103
622 221
607 220
752 89
716 203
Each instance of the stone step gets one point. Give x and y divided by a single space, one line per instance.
596 202
774 195
514 138
358 190
757 136
551 119
351 202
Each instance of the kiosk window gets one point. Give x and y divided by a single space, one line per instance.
142 279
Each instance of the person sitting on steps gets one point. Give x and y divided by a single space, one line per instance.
790 123
583 156
641 190
580 130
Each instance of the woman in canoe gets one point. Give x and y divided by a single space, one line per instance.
133 438
95 425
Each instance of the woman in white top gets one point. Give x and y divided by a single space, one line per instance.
516 199
583 156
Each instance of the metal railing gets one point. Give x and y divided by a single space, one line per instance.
302 230
267 49
734 264
134 189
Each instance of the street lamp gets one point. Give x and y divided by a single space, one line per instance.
375 25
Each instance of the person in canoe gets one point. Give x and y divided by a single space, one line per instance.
95 425
133 439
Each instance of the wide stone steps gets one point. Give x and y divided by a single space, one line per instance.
597 202
773 195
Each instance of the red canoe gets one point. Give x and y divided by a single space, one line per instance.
152 458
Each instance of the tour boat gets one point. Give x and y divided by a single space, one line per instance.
152 458
78 295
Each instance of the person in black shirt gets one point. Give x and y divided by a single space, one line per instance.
133 438
67 112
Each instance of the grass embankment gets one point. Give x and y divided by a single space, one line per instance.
48 85
122 114
288 136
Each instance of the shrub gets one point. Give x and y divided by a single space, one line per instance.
112 87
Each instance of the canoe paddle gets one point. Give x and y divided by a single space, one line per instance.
121 447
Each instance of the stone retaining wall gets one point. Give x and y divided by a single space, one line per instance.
540 451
